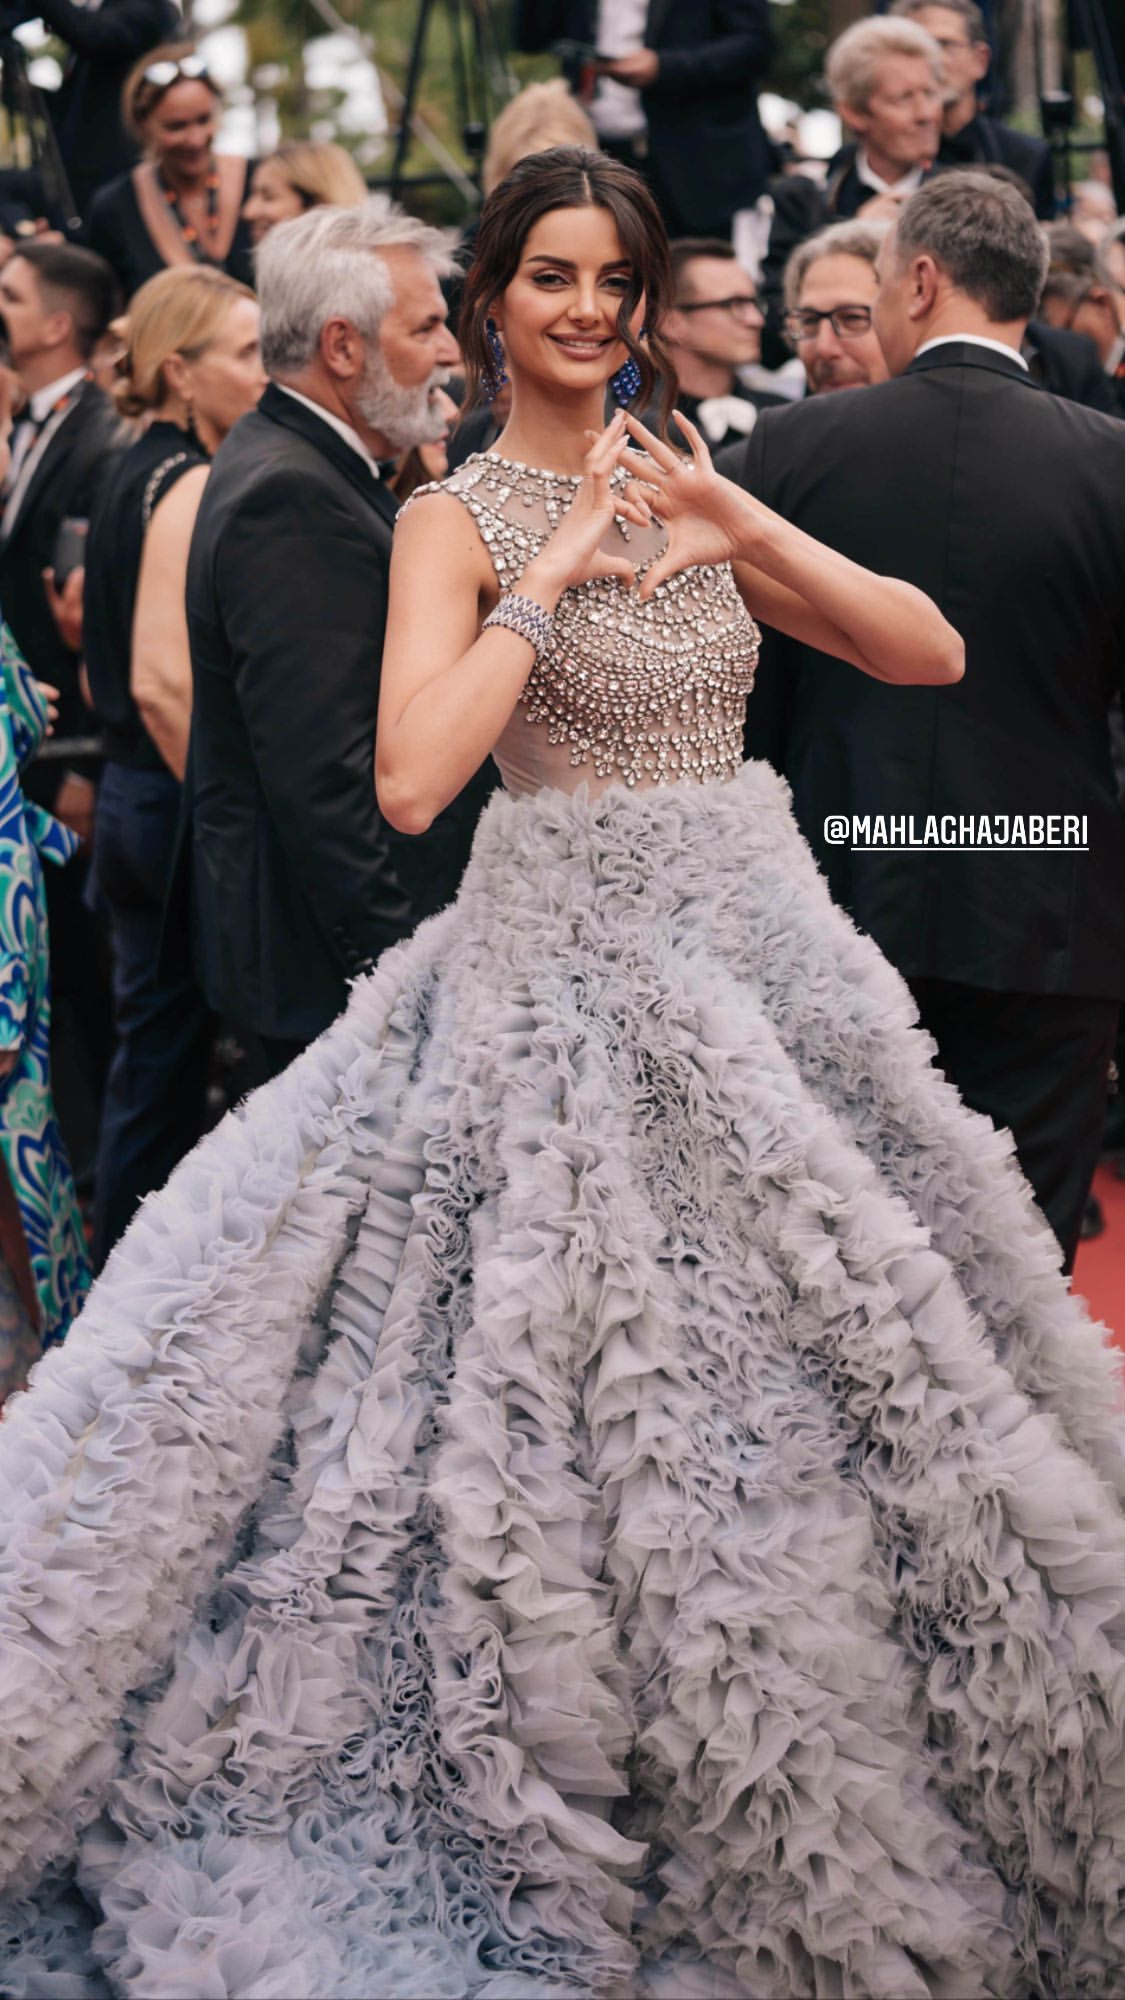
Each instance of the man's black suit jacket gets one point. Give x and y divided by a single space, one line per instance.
708 153
62 485
844 192
297 881
1003 504
105 42
983 142
1067 364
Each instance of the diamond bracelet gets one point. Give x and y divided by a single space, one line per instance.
523 616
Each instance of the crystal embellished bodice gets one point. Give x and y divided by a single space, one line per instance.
627 693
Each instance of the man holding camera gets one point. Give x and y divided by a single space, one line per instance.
675 94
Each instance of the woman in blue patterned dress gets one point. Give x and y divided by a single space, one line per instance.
30 1143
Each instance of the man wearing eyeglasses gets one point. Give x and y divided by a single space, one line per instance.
969 138
887 83
713 329
105 37
830 287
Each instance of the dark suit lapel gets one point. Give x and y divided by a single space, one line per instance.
293 416
60 446
657 15
385 502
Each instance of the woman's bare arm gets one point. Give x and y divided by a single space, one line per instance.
893 632
447 688
161 671
885 627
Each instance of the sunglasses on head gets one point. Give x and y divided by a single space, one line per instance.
162 75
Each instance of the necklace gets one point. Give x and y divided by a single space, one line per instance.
203 254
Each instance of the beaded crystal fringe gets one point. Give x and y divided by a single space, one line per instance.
649 693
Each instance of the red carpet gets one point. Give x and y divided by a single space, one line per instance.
1099 1271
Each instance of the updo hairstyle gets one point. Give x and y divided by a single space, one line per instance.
180 311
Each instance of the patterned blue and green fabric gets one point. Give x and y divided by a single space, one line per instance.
30 1141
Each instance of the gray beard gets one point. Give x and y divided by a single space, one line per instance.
405 417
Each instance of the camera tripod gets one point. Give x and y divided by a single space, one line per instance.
25 105
1086 26
480 73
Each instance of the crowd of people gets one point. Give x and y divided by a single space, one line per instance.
131 355
594 1478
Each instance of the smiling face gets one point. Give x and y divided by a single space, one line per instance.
180 128
833 360
271 200
558 315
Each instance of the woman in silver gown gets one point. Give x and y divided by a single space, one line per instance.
592 1482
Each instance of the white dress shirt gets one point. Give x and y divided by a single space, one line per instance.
338 424
973 340
617 110
30 446
908 183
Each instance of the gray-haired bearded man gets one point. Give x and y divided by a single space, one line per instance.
297 881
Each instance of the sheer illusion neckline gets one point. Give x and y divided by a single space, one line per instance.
623 691
521 465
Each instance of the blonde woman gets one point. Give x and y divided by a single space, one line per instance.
301 174
191 367
183 204
543 115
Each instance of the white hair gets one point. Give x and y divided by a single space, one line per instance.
854 58
856 238
327 264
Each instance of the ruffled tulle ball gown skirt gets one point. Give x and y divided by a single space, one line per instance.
589 1484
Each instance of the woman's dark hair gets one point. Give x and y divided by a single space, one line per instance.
571 177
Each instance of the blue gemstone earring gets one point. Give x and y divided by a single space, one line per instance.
493 380
627 380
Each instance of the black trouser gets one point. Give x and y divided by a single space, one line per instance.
1037 1063
81 1007
155 1094
637 154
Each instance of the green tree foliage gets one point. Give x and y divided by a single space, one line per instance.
802 36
